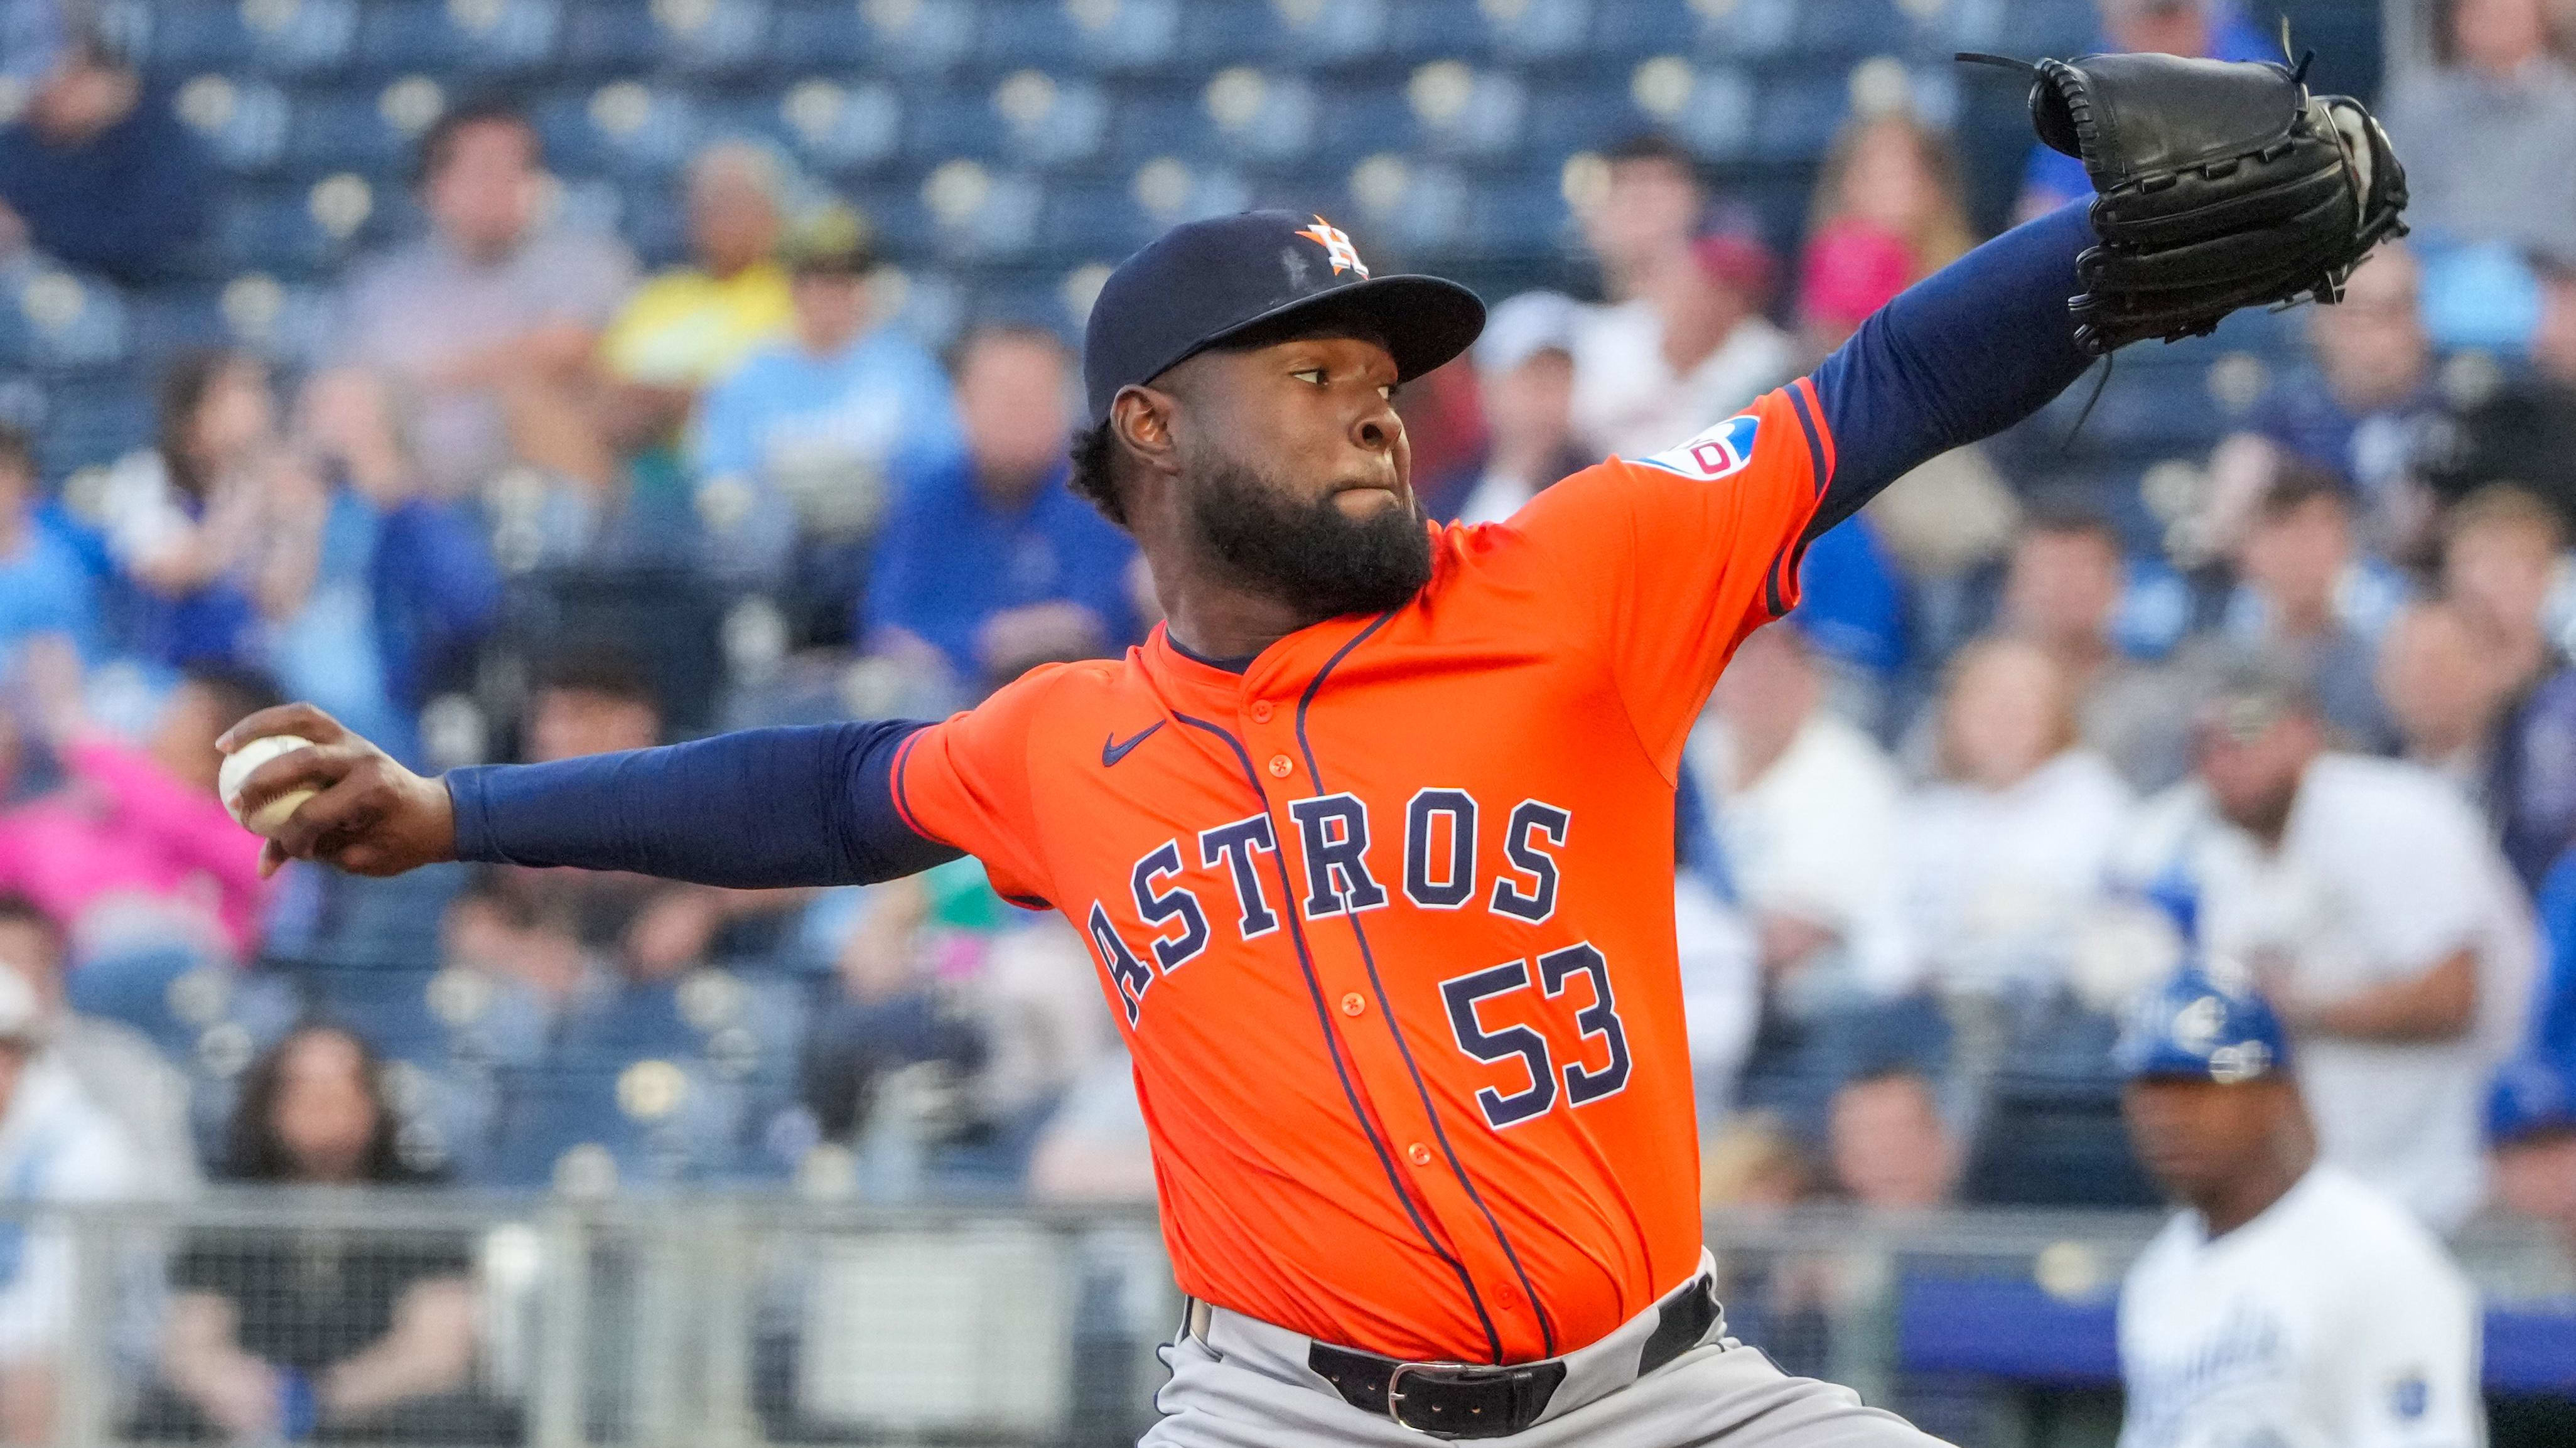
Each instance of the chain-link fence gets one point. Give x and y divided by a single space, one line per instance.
709 1321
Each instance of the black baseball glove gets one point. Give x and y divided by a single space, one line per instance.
2220 184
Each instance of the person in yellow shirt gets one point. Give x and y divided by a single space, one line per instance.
687 328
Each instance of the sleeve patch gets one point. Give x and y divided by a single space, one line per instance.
1722 451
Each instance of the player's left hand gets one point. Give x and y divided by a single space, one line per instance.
2220 185
369 815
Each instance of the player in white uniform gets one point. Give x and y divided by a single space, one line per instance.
2289 1305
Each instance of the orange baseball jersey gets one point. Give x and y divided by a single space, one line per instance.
1387 917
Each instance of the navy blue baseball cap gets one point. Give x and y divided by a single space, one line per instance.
2198 1028
1204 282
2532 1096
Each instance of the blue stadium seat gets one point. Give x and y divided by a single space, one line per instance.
1052 121
1524 219
657 1120
1342 32
1544 30
243 120
1360 120
344 130
628 1023
1580 116
608 38
1014 33
1419 30
821 37
946 122
390 1008
840 128
1160 121
92 418
190 36
1798 112
273 231
1630 29
1751 30
401 36
726 36
1091 220
1850 28
1224 32
173 319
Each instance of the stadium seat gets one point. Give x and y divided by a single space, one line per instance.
1540 30
436 36
1421 30
345 130
390 1008
605 39
1337 32
658 1121
707 37
242 120
1797 112
190 36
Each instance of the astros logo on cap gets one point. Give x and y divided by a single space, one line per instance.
1337 247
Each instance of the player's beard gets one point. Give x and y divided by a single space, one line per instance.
1311 556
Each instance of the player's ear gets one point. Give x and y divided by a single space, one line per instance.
1142 419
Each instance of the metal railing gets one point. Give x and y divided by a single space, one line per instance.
719 1320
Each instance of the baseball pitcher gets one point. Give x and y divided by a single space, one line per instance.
1373 839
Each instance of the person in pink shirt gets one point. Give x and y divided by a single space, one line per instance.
133 851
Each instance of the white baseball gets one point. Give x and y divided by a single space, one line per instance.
237 768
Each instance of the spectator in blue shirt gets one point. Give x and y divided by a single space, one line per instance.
801 440
98 173
990 559
44 585
2212 28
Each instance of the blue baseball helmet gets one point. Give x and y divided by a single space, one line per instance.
2533 1095
2198 1027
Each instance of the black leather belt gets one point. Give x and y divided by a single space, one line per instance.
1468 1400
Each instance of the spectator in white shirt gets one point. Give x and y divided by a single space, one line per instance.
2384 924
1689 351
55 1147
2009 849
1808 807
1525 376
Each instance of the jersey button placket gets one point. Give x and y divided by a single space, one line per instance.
1281 766
1418 1154
1354 1004
1260 711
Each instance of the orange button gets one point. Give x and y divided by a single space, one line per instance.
1420 1154
1508 1300
1353 1004
1281 766
1260 711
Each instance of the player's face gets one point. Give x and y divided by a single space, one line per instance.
1296 474
2194 1136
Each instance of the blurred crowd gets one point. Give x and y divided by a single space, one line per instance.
2021 746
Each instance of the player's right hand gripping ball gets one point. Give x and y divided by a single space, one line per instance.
236 771
2220 184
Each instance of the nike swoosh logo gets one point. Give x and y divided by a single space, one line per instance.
1111 751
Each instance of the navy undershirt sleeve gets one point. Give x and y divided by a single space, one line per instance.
763 807
1961 355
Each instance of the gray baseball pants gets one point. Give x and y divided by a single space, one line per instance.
1242 1383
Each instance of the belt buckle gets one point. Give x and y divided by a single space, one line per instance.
1395 1394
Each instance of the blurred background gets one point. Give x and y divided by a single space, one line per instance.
521 379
